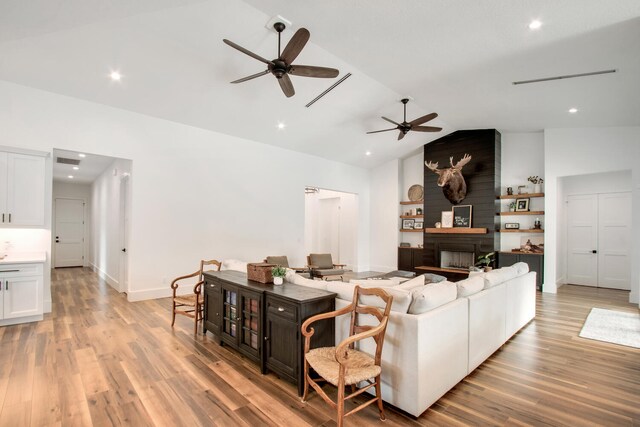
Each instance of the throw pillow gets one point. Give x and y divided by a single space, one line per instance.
432 296
400 303
433 278
309 283
501 275
372 283
470 286
522 268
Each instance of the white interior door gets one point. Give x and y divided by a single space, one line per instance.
69 233
329 227
614 231
582 240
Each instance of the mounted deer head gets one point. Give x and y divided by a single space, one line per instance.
451 180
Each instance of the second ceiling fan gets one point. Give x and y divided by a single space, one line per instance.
414 125
282 66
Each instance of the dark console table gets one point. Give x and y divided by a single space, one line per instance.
262 321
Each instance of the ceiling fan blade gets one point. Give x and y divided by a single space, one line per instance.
311 71
253 76
402 134
295 45
383 130
423 119
247 52
286 86
390 121
426 128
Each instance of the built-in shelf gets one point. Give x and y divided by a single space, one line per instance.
521 213
441 270
521 196
456 230
409 247
521 253
411 216
409 230
419 202
517 230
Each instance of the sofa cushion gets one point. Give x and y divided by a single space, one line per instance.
401 298
501 275
374 283
433 278
297 279
234 264
432 296
470 286
412 284
522 268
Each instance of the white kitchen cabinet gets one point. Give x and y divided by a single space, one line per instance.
22 188
21 293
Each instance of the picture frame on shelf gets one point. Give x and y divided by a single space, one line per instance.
462 216
447 219
407 224
418 225
522 205
512 226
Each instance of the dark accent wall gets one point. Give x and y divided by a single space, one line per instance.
482 175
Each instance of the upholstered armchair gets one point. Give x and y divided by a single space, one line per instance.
322 266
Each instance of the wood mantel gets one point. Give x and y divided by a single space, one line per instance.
456 230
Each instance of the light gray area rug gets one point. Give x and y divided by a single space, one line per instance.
617 327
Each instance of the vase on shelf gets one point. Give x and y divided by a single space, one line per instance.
537 188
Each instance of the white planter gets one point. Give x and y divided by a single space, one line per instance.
277 280
537 188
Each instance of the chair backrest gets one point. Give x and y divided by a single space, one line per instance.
321 260
282 261
205 262
382 314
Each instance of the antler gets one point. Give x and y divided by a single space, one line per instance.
432 166
466 159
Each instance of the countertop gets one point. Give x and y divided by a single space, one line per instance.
24 258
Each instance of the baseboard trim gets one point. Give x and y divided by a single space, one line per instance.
164 292
106 277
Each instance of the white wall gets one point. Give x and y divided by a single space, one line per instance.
69 190
194 193
522 157
412 173
570 152
385 198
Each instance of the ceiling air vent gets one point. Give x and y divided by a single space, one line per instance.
66 161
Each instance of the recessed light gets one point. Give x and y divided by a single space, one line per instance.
573 110
368 153
75 168
281 125
535 24
70 176
115 76
82 155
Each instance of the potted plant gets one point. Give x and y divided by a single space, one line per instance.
486 261
537 183
512 207
278 272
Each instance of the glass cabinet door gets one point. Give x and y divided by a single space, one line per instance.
250 322
230 312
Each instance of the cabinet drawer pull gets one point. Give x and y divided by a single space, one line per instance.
281 309
6 285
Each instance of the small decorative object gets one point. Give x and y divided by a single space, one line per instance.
510 191
512 207
418 211
512 226
410 211
522 205
521 189
447 219
451 180
486 261
407 224
537 224
405 244
416 193
537 183
260 272
438 225
418 225
462 216
278 272
420 245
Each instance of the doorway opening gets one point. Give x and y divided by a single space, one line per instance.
91 210
331 224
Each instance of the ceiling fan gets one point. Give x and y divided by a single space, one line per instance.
282 66
405 126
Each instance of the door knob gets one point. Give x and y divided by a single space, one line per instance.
124 249
594 251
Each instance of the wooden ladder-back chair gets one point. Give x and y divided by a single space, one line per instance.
344 365
190 305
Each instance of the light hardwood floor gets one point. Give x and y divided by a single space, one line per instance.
100 360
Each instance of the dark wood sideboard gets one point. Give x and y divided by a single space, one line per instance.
262 321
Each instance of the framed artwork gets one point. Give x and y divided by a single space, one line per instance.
407 224
522 205
418 225
462 216
447 219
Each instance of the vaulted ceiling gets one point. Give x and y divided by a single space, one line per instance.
458 58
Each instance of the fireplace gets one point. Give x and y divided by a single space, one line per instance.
456 260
